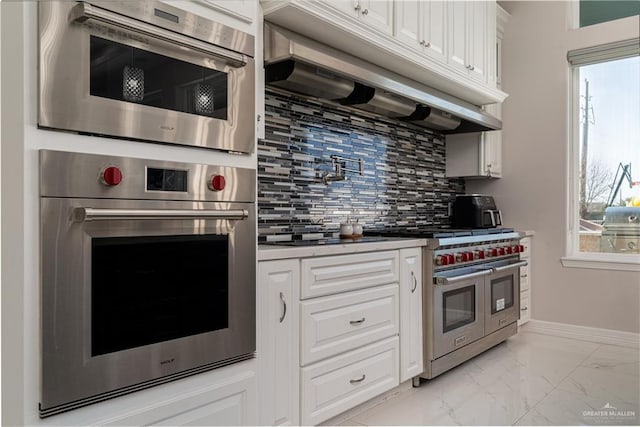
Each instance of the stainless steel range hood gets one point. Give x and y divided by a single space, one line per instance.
301 65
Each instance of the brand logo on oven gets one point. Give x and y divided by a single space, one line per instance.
167 361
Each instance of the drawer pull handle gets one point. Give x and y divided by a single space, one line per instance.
359 380
357 322
284 307
524 309
415 282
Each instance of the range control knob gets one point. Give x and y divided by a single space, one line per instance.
500 251
479 254
516 249
451 259
472 255
521 248
111 176
494 252
217 183
508 250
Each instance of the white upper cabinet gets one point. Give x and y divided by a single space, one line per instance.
377 14
469 36
446 45
421 25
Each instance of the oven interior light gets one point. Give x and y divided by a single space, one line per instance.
132 83
204 98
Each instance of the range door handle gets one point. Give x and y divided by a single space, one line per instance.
442 280
509 267
93 214
83 12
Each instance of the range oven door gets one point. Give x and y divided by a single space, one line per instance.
138 293
166 76
502 295
458 309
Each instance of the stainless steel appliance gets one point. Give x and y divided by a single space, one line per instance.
148 273
147 71
476 211
296 63
471 289
621 230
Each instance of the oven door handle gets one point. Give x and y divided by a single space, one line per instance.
92 214
508 267
449 280
84 11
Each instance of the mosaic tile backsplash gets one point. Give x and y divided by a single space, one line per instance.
403 184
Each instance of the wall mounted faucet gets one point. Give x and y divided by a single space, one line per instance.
340 167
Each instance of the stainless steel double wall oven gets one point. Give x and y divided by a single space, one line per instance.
148 273
148 71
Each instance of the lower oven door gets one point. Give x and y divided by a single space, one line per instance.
135 293
502 295
458 309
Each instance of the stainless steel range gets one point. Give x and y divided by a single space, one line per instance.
471 290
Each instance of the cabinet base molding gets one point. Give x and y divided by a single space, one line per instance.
357 410
584 333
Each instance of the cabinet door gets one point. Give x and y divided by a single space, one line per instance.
457 33
377 14
491 149
408 22
477 20
348 7
434 36
277 344
411 363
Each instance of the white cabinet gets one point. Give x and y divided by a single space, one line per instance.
525 282
469 35
421 25
277 341
377 14
229 401
411 362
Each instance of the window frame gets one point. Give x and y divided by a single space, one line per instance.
576 59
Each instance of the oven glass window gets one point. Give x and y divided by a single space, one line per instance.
459 308
129 74
151 289
501 294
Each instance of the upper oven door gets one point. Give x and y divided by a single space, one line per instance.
458 309
136 291
105 73
503 295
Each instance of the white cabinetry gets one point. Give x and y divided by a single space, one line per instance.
411 363
277 341
377 14
479 155
525 282
469 36
329 332
421 25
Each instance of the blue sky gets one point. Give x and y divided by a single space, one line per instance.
614 88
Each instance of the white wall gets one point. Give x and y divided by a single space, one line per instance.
533 190
21 140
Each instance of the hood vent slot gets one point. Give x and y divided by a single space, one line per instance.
297 64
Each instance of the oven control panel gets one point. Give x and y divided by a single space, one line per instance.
462 255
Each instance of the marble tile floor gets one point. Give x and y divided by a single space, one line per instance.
531 379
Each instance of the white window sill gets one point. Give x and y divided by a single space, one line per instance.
603 262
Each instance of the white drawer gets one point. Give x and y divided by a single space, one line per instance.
335 385
525 310
334 274
339 323
524 278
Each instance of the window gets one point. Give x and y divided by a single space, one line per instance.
605 152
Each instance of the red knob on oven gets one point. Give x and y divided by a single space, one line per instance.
464 257
521 248
451 259
217 183
494 252
500 251
509 250
472 255
479 254
112 176
516 249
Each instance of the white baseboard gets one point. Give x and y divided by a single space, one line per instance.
584 333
